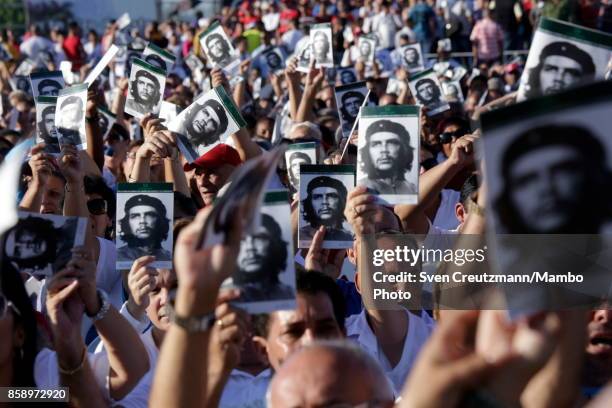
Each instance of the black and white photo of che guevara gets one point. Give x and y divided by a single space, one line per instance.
274 60
347 76
412 58
262 259
350 103
144 93
428 94
38 247
48 87
21 83
218 50
103 123
561 65
294 160
69 119
144 228
386 157
205 123
547 172
324 206
321 47
366 48
47 132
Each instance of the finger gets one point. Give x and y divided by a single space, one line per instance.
356 192
144 280
362 199
227 296
338 257
66 292
142 261
317 241
365 208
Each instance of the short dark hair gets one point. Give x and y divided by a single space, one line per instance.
310 283
469 187
48 82
351 94
97 185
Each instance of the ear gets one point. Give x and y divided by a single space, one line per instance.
261 344
358 281
460 213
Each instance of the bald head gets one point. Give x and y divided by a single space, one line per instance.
328 373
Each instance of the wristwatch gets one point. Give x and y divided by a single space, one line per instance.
104 308
192 324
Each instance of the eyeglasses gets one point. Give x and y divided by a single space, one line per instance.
448 137
96 206
5 304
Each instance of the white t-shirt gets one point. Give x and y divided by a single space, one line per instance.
419 330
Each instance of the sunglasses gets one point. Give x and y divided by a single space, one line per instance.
97 206
5 304
448 137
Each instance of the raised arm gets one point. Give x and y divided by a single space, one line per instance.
432 182
95 144
127 355
182 369
41 166
314 80
156 142
292 76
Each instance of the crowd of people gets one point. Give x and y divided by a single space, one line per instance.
173 336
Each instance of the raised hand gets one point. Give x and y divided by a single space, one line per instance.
41 164
141 281
70 164
359 211
328 261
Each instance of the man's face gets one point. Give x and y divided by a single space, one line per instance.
559 73
426 91
49 123
295 167
347 77
289 330
365 48
28 245
71 116
384 149
49 90
159 298
352 105
326 203
264 129
411 56
210 181
206 121
215 47
545 186
305 54
600 335
53 196
142 220
146 89
319 45
254 251
273 60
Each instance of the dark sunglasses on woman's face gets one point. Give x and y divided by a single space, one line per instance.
96 206
5 305
448 137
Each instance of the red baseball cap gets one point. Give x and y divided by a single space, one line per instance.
215 157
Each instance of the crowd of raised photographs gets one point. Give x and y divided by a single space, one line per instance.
169 337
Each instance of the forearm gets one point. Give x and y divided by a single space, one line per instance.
181 370
127 355
95 144
141 172
304 112
238 92
295 95
32 199
246 147
173 173
431 184
216 381
75 201
84 390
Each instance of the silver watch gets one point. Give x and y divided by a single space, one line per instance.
192 324
104 306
